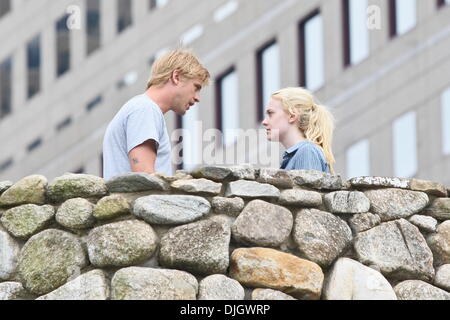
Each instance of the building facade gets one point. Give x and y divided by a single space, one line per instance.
381 66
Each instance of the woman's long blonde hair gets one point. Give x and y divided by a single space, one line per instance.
315 120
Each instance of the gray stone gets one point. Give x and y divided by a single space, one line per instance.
270 294
419 290
320 236
391 204
11 291
242 171
121 243
229 206
316 179
363 221
89 286
220 287
135 283
49 259
9 255
179 175
300 198
199 247
136 182
76 213
442 278
424 223
251 189
171 209
26 220
76 186
201 186
398 249
112 206
215 173
429 187
262 224
5 185
347 202
439 209
269 268
351 280
29 190
440 243
380 182
277 177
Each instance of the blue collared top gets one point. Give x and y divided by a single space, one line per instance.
304 155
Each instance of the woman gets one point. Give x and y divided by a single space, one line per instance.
303 127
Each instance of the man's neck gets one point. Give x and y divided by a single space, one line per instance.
160 97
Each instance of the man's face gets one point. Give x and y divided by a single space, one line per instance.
188 94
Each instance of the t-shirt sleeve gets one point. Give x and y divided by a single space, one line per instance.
307 159
142 124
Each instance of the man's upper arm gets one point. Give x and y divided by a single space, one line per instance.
143 157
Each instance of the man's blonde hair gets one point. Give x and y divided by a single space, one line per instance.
182 60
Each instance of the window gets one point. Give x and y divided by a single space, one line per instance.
124 19
5 7
5 88
227 112
94 103
445 108
405 146
442 3
62 46
311 52
268 75
93 25
64 124
34 66
402 16
356 34
358 160
6 164
34 145
157 3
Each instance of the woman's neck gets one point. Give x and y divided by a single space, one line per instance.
292 139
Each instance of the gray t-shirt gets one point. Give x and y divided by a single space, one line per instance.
139 120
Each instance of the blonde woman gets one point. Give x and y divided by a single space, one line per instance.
303 127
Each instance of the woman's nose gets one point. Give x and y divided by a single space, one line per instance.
264 123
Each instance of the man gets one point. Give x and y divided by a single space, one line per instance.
136 140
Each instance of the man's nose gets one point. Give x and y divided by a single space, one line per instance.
197 97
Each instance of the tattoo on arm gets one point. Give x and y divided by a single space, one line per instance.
135 160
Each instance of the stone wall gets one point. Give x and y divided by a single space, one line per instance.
226 233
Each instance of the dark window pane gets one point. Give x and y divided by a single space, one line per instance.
124 18
62 46
94 103
5 87
5 7
93 25
64 124
6 164
34 66
34 145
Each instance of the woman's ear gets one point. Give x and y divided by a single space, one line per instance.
293 118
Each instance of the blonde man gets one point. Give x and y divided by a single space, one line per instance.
136 140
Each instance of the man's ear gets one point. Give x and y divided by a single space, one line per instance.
175 77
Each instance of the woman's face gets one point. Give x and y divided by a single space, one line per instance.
276 121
